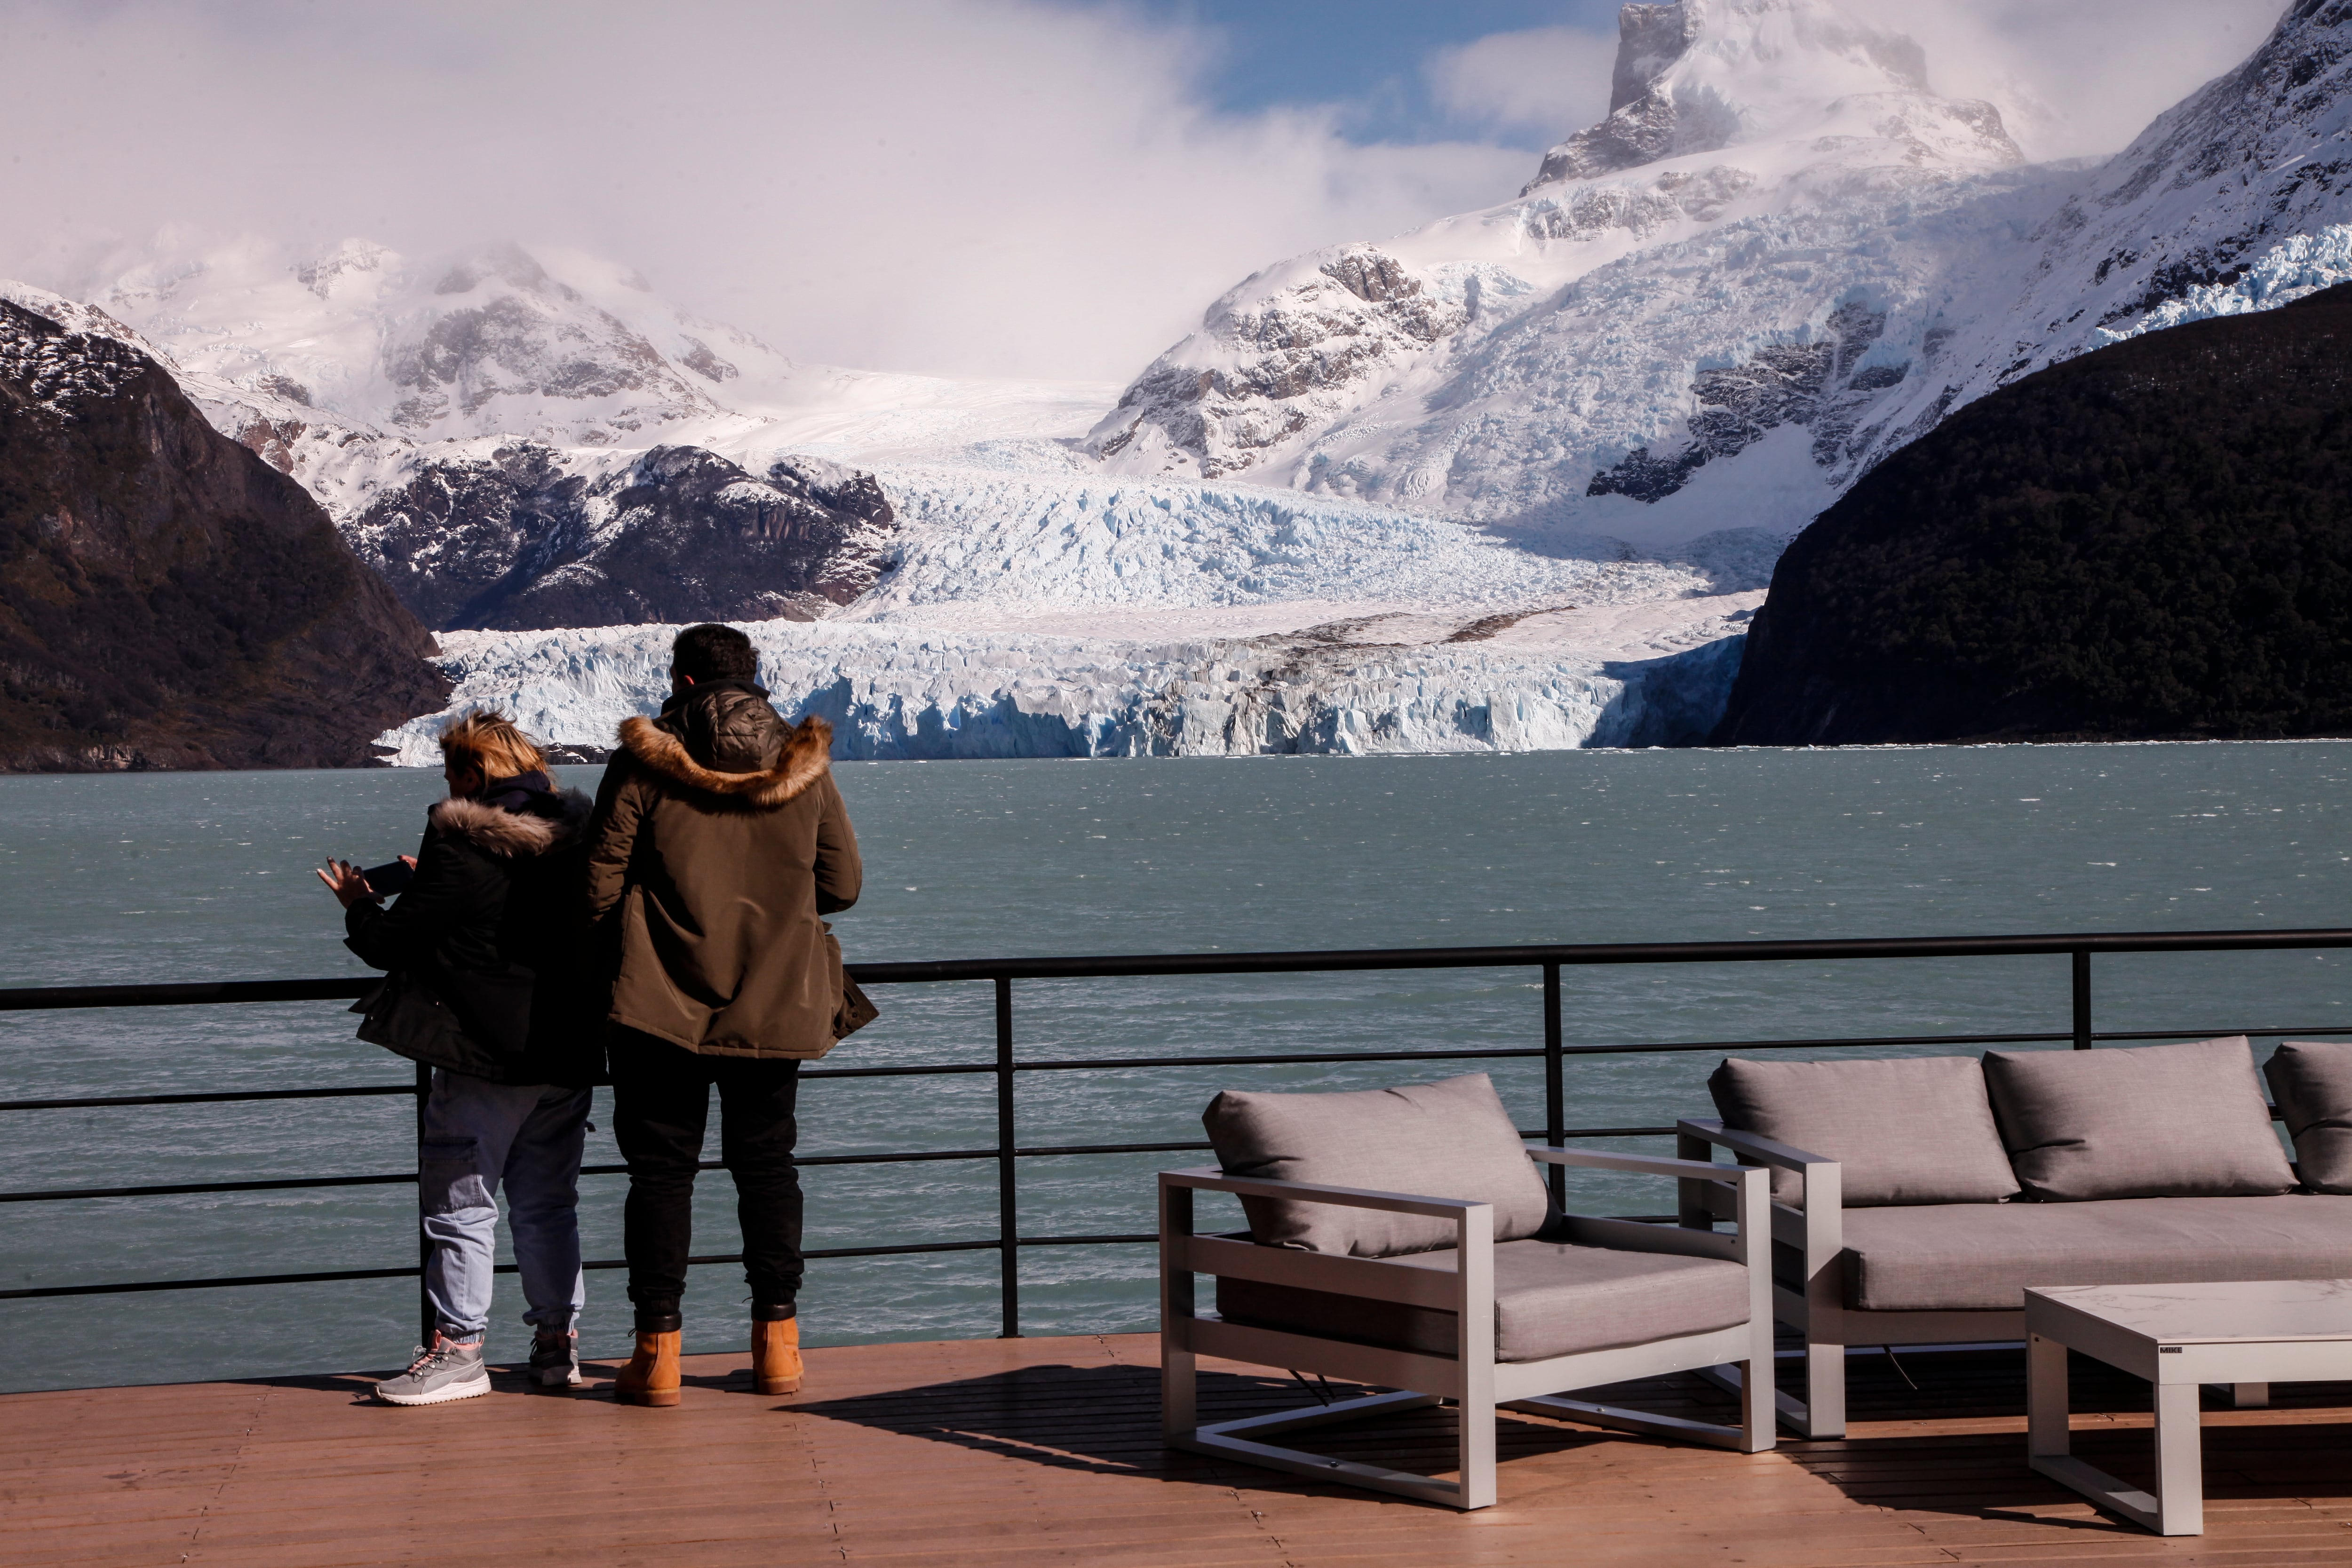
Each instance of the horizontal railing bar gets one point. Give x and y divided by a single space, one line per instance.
141 1285
1836 1042
180 1188
1771 951
396 1178
1082 1065
1327 961
357 1089
135 1286
1136 1239
196 993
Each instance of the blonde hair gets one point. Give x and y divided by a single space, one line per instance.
488 741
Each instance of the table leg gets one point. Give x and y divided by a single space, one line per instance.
2180 1479
2177 1507
2046 1422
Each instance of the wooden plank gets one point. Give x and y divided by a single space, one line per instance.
976 1454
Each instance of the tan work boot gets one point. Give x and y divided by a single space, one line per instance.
651 1377
776 1356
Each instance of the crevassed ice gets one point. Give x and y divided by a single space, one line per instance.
903 692
2299 265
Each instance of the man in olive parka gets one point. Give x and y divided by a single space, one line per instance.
719 844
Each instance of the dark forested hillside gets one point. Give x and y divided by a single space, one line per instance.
2151 541
167 599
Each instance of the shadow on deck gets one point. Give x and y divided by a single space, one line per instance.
1037 1452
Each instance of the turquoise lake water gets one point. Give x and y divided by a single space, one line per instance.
199 876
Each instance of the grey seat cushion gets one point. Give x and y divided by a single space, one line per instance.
1966 1258
1445 1140
2150 1121
2312 1081
1550 1299
1915 1131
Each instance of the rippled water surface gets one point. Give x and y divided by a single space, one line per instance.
188 877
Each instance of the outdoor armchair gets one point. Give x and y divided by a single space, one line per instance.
1481 1325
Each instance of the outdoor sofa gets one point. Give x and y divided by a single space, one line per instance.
1915 1200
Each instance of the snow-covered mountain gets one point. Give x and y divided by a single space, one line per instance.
1781 255
1592 411
490 343
509 447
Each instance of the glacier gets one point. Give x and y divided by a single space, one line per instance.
894 693
2299 265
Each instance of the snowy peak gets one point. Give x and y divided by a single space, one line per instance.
1699 76
1731 115
496 343
501 340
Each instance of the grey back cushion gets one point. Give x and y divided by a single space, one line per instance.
2153 1122
2312 1081
1918 1130
1446 1140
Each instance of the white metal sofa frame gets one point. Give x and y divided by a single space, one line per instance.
1472 1378
1813 1231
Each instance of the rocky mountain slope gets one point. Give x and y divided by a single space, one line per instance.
518 534
2151 541
375 380
1780 257
168 600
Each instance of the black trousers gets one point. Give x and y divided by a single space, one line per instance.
661 1105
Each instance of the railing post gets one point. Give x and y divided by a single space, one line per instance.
1007 1186
1555 1083
423 1246
2081 957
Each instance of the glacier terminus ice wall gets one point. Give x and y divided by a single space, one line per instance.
893 692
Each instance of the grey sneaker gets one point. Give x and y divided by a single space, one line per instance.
438 1375
555 1363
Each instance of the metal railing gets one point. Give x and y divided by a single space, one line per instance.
1008 1152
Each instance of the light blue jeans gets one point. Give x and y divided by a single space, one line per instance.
477 1134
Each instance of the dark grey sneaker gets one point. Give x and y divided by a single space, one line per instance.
438 1375
555 1363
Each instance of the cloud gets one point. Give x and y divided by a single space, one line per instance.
2077 78
1012 187
982 186
1551 80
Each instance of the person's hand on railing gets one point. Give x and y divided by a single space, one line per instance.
348 883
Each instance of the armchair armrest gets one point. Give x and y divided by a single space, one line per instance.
1750 1204
1468 1289
1207 1179
1637 1165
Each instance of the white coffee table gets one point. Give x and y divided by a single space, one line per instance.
2178 1337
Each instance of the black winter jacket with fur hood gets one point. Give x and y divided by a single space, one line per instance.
486 976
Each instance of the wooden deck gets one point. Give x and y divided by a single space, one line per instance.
1037 1452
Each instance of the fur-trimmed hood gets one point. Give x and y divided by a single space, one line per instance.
513 835
805 758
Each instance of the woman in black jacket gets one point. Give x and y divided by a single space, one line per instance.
485 985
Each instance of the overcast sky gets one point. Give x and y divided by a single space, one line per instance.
1013 187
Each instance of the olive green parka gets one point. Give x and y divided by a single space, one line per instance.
719 844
